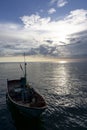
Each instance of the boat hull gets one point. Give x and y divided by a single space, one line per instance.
23 110
25 99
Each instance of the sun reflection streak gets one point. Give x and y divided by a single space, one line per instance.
61 79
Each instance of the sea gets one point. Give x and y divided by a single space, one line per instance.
64 87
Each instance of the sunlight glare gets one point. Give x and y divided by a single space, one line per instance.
62 61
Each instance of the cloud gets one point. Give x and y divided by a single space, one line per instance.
53 1
52 37
51 11
78 17
59 3
57 30
34 21
49 41
77 48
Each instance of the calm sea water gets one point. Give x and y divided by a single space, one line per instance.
64 87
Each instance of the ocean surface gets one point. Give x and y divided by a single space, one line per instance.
64 87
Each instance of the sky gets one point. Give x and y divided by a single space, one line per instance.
56 28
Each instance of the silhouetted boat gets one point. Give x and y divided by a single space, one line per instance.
24 98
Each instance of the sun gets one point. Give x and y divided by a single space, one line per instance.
62 61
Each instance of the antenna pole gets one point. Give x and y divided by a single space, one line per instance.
25 74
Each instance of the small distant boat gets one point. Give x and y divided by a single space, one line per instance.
24 98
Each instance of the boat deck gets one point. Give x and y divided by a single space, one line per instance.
24 96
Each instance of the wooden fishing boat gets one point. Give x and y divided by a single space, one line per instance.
24 98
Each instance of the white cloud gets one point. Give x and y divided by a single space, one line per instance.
37 30
74 22
53 1
61 3
78 17
51 11
34 21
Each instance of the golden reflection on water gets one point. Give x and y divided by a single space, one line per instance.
61 80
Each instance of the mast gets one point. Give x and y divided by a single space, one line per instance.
25 73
